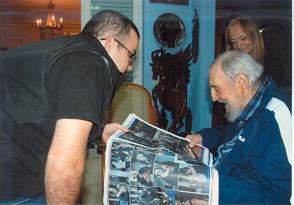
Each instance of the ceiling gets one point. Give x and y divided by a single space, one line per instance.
33 5
260 11
254 4
26 11
71 9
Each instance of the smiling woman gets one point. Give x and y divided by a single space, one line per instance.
242 33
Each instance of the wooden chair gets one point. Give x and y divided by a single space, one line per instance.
130 98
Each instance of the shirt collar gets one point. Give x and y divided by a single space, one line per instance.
255 102
119 77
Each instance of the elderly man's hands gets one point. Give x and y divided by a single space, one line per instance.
111 128
195 139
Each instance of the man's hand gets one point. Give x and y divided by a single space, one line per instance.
195 139
111 128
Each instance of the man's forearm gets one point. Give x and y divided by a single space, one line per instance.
66 161
63 186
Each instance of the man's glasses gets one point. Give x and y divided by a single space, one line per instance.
132 56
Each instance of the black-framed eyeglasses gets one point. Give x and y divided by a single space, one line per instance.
132 56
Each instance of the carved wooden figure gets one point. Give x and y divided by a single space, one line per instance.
195 36
172 73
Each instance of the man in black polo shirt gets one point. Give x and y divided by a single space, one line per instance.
53 98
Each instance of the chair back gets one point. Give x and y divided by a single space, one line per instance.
132 98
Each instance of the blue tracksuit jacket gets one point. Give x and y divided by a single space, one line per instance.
256 171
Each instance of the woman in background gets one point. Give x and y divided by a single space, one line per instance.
242 33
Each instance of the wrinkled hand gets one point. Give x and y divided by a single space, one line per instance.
195 139
111 128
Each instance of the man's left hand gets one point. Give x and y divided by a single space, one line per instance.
111 128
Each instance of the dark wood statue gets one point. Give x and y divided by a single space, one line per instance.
195 36
173 74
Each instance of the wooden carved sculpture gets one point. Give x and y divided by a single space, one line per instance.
195 36
172 73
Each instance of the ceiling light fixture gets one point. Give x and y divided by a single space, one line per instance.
52 28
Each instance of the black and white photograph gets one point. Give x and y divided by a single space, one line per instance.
136 138
194 179
168 141
149 195
196 154
141 128
166 174
140 132
144 177
119 190
191 199
121 156
143 157
184 149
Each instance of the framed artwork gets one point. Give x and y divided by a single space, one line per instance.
183 2
169 30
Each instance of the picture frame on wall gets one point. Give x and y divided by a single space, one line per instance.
182 2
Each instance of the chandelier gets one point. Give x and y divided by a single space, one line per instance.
52 28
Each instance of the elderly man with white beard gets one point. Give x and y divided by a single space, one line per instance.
251 156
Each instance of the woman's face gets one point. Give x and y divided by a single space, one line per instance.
240 39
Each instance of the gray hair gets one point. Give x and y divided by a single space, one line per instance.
110 23
237 62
